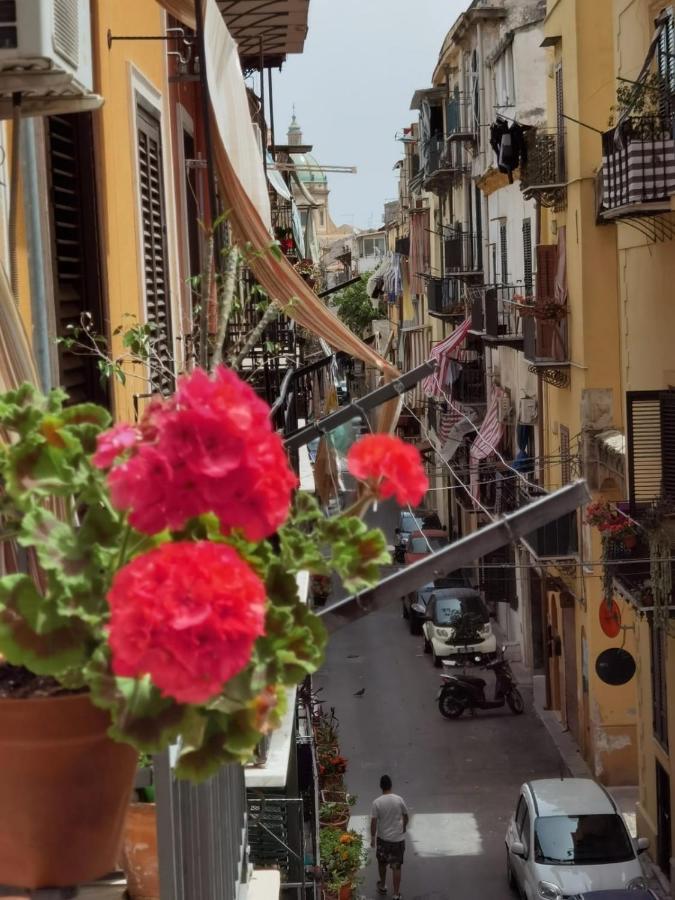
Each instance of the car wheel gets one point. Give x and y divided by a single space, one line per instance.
451 705
427 646
436 660
415 625
515 700
404 610
510 877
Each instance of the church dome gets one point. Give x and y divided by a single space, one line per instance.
309 171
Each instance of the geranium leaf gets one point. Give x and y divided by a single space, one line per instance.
33 634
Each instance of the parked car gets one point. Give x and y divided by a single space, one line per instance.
444 611
424 542
618 895
568 838
415 520
415 617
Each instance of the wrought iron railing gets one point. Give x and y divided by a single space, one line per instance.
469 388
445 297
543 174
462 252
638 163
546 340
494 313
445 163
461 120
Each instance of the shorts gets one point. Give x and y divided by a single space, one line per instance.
390 853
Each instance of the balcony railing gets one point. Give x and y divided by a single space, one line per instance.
546 347
638 167
494 315
445 297
463 253
469 388
544 176
461 121
444 164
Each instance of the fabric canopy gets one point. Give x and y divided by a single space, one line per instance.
433 384
487 439
243 188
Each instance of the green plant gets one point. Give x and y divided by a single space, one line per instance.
354 306
118 521
342 855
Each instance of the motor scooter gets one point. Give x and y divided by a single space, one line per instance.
461 691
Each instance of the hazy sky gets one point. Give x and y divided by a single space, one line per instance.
352 87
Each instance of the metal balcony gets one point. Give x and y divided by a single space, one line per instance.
546 347
544 176
445 298
463 254
637 178
444 165
461 121
495 318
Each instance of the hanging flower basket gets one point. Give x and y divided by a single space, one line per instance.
552 312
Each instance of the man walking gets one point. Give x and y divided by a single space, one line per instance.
389 821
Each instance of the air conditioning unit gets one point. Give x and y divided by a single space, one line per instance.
46 56
528 411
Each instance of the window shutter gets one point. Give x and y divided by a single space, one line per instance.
666 62
644 447
156 276
560 121
547 262
668 445
504 253
565 463
527 256
75 247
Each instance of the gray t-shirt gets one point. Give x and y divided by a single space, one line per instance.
389 810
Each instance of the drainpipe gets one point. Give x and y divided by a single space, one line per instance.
37 254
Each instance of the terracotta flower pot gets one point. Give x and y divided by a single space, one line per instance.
64 792
629 541
340 822
344 893
139 852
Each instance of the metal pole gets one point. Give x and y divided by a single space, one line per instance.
461 553
271 106
213 184
263 127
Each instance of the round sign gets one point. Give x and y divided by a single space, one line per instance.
615 666
610 618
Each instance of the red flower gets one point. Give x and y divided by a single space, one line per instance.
112 444
211 448
187 614
390 467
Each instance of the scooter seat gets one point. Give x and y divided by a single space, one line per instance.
473 679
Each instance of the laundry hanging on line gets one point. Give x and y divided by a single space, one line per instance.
507 139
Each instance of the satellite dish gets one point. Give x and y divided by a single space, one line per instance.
615 666
610 618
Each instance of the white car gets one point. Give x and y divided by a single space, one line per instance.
568 837
445 607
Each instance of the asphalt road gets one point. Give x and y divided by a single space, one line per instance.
460 778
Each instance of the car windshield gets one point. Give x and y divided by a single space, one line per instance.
447 608
577 840
420 545
410 523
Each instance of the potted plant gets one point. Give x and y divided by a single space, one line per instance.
332 767
139 859
336 813
342 856
524 305
158 610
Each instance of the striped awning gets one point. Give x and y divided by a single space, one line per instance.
487 439
434 384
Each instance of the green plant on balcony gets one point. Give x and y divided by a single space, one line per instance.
342 856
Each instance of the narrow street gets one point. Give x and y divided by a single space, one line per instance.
460 779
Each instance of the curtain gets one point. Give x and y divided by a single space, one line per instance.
277 276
